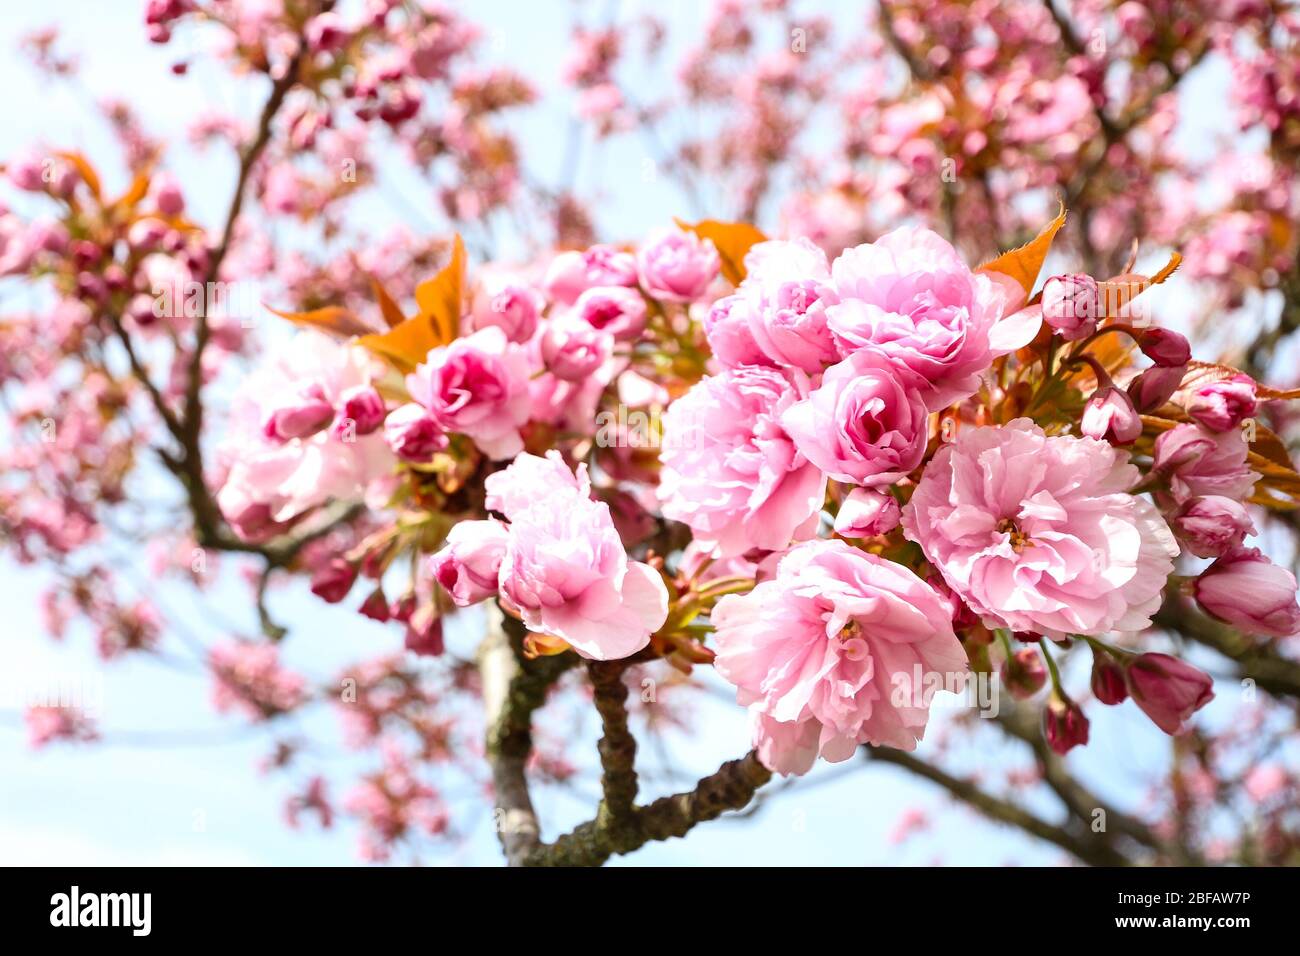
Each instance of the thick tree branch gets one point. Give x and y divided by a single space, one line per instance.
513 687
730 787
617 746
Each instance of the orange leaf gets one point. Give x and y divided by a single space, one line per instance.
84 169
134 193
333 319
440 298
1025 263
389 309
436 323
732 240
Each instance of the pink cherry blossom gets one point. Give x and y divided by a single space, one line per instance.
730 470
478 386
1039 533
781 306
566 572
821 650
572 273
470 561
677 266
863 424
618 310
1198 462
911 298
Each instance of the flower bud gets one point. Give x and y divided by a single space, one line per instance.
1168 690
1155 386
1108 684
1211 525
1071 305
1110 416
1064 724
413 434
375 606
362 408
866 513
301 417
424 632
1167 349
1023 673
468 565
1223 406
333 582
1247 590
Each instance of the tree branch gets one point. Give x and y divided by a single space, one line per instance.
513 687
1091 852
730 787
617 746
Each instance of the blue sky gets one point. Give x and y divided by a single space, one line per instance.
181 785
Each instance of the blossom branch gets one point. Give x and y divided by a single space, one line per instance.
513 687
617 746
730 787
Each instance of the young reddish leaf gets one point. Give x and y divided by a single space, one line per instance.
134 193
440 298
388 308
85 170
436 323
732 240
333 319
1024 264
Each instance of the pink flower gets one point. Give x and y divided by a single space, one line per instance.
909 297
566 571
1039 533
863 424
299 416
828 654
1223 406
326 33
1247 590
269 482
1071 305
1110 416
469 563
361 411
413 433
1167 690
727 327
572 350
730 470
1199 462
478 386
618 310
530 479
1211 525
780 308
515 309
572 273
677 266
866 513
